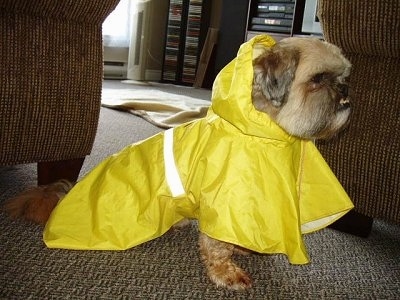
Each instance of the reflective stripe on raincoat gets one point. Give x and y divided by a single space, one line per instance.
244 179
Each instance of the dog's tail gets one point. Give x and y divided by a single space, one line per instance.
36 204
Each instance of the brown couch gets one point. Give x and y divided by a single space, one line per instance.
366 158
50 82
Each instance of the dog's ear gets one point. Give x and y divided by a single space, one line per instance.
274 72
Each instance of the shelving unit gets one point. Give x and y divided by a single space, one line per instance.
186 29
278 18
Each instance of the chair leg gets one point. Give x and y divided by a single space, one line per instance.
49 172
354 223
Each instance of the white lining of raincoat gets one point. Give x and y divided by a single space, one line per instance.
171 171
320 223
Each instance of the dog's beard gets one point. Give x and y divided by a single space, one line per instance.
315 116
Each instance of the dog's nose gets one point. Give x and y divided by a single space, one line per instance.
343 90
344 103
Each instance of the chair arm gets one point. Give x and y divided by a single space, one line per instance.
84 11
362 26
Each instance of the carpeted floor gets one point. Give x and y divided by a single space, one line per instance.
342 266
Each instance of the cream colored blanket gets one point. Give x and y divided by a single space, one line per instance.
162 109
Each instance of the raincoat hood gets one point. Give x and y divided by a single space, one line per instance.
231 95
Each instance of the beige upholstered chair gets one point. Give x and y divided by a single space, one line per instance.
366 158
50 82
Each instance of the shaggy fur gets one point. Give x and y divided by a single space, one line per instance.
37 203
301 84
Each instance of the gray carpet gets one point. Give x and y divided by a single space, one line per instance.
342 266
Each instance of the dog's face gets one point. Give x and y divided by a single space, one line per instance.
301 84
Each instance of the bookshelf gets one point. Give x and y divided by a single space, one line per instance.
187 27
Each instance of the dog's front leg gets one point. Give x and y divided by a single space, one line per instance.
217 257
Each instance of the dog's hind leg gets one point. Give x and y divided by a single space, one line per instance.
217 257
36 204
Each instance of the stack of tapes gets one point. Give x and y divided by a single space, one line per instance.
191 52
173 41
274 16
182 47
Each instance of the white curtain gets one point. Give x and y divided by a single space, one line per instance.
129 27
117 28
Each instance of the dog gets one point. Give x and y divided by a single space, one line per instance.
298 92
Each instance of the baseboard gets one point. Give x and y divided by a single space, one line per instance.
153 75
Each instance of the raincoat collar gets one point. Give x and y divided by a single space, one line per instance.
231 96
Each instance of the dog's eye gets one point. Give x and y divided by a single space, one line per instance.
318 78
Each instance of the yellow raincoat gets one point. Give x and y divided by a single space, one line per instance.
237 172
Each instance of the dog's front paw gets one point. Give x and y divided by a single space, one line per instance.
229 275
217 257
